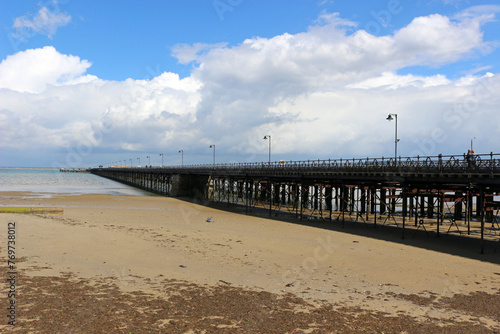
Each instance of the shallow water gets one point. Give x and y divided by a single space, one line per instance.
47 181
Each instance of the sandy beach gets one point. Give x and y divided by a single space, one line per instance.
125 264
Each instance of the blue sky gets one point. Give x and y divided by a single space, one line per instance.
90 82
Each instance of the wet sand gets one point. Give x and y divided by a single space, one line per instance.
155 264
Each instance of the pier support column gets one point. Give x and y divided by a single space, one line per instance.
481 199
422 206
337 192
284 199
328 198
362 200
393 201
458 206
416 210
440 210
411 206
352 198
305 196
276 193
372 193
430 207
405 204
295 194
316 197
383 201
344 195
479 204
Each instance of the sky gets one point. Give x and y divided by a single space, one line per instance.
84 83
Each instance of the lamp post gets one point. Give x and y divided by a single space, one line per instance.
182 157
149 160
213 146
130 162
269 137
161 155
396 140
139 165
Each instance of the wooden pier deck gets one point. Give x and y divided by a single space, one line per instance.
74 170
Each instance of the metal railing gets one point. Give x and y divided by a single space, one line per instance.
479 163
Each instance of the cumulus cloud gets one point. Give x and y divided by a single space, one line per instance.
60 107
45 22
324 92
327 55
243 82
351 121
32 70
436 40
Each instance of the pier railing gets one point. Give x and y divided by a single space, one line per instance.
457 164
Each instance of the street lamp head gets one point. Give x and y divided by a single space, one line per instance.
180 151
212 146
389 118
267 136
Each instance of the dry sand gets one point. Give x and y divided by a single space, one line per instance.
155 264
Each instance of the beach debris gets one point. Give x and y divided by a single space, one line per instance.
26 258
210 220
182 266
31 210
289 285
227 283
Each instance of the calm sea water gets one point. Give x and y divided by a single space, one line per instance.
51 181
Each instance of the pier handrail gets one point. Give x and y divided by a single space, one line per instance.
440 163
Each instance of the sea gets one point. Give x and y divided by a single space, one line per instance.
46 182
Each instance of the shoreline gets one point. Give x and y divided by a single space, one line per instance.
138 242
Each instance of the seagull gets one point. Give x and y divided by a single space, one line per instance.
209 220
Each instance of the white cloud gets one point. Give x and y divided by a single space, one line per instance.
32 70
45 22
186 53
56 106
483 13
334 19
394 81
242 83
436 40
327 57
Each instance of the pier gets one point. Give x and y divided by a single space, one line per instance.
438 195
74 170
